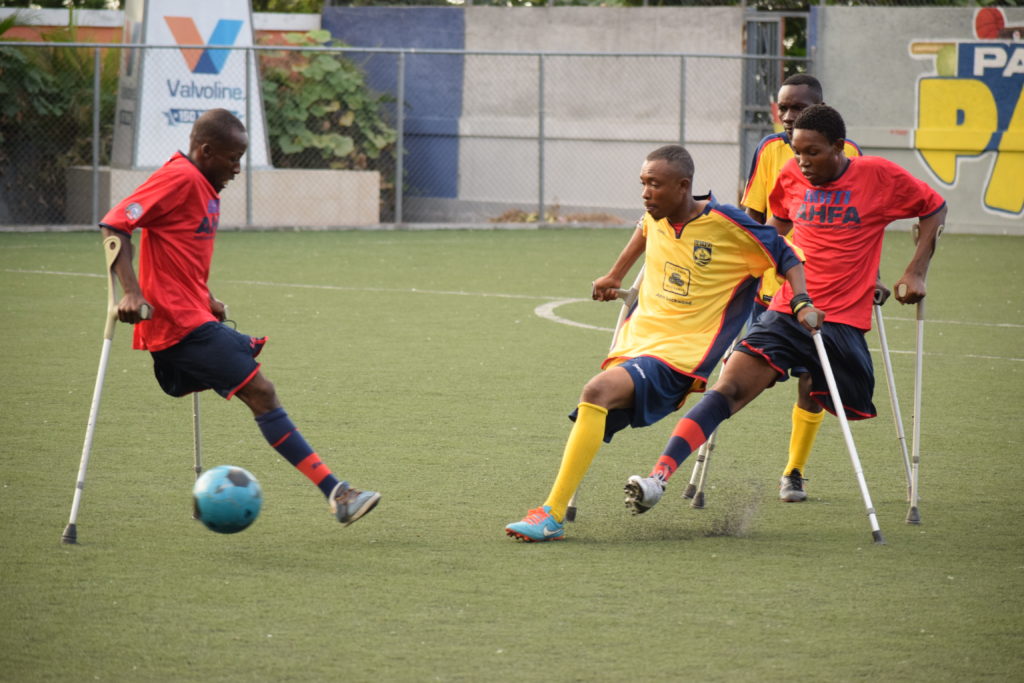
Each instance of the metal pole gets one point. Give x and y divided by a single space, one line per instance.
250 56
682 101
400 139
540 138
96 135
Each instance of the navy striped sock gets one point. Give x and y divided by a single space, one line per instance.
282 435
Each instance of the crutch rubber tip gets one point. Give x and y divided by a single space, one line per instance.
570 514
913 517
698 501
877 535
70 536
690 492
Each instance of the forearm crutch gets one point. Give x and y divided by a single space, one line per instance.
876 532
698 479
893 400
913 514
111 248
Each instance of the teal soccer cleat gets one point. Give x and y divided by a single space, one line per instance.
537 526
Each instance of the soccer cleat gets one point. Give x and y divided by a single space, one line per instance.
643 493
349 504
538 525
791 487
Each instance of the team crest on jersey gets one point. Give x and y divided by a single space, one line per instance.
701 252
133 211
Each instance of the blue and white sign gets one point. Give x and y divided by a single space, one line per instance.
163 91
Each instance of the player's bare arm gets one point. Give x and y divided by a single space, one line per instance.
129 309
755 214
604 287
218 308
781 226
910 288
803 307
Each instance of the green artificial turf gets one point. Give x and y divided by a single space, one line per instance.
415 364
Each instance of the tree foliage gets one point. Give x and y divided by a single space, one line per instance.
46 112
320 111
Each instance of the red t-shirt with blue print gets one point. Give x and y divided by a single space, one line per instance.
841 225
178 211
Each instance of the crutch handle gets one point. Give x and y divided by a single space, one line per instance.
813 319
627 296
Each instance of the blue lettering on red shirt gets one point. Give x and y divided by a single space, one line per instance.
829 208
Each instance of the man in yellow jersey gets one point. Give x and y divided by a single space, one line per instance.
796 94
702 263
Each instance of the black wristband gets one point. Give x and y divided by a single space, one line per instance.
799 301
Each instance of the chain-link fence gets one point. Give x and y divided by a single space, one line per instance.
355 136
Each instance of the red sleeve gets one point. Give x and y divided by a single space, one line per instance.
152 200
777 200
915 198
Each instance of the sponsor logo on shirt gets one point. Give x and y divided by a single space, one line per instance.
827 207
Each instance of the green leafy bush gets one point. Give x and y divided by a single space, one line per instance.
320 111
46 114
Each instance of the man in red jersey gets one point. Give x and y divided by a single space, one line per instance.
178 211
839 207
796 94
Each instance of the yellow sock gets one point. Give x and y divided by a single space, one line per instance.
581 447
801 440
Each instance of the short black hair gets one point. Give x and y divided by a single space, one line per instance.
810 81
823 119
214 126
677 156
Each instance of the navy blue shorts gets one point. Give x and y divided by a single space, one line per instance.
657 391
212 356
781 341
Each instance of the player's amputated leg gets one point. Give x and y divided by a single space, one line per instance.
545 523
642 493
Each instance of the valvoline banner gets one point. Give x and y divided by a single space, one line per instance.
163 91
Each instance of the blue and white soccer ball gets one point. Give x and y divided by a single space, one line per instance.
227 499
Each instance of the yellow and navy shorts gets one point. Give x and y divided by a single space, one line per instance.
658 390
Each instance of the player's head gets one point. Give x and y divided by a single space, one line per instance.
666 177
797 93
216 145
819 135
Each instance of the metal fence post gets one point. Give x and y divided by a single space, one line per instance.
540 138
400 138
250 57
96 62
682 101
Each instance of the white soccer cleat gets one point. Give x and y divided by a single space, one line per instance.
791 488
643 493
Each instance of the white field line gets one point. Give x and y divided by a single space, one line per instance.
545 311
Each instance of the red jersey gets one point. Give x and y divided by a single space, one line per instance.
178 211
840 227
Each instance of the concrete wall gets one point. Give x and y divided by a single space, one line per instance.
281 197
966 138
601 114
